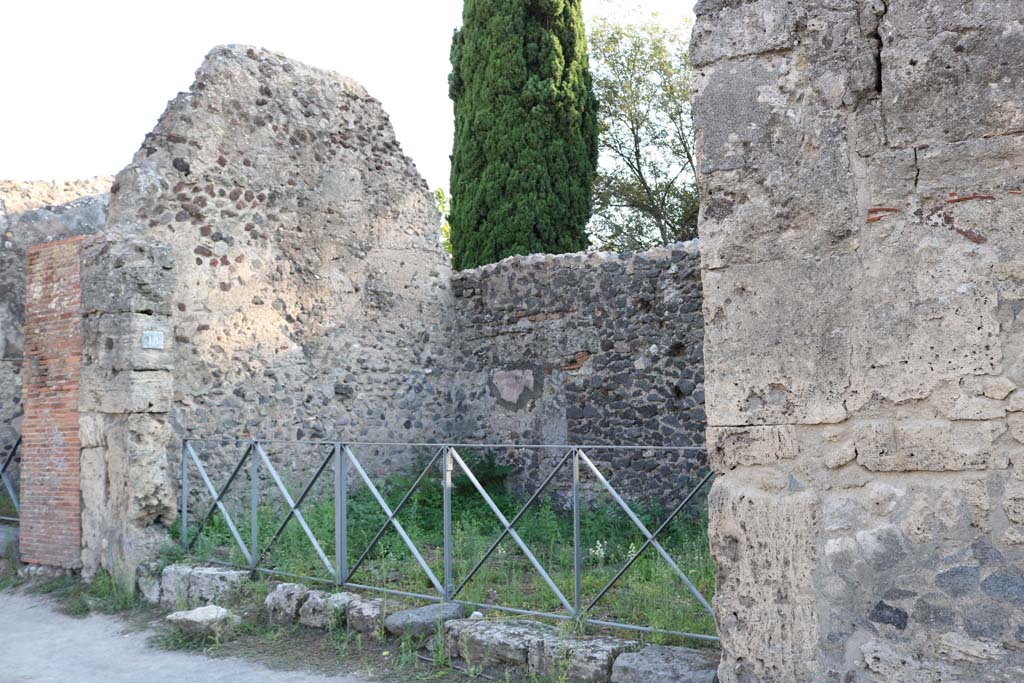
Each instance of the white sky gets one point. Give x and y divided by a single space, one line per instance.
85 81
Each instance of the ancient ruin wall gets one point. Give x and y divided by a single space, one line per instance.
50 515
862 168
271 227
591 348
281 257
128 490
33 213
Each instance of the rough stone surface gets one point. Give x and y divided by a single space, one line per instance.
494 643
323 610
174 584
272 230
310 282
214 584
148 583
365 615
128 495
206 621
662 664
577 660
284 602
423 621
862 203
19 195
574 349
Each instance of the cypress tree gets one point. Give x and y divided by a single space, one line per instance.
525 149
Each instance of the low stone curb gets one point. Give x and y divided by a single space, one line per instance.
207 621
423 622
180 587
528 646
662 664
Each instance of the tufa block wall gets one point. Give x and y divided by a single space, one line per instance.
51 527
863 266
129 495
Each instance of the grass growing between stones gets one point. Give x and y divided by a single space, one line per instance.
648 594
330 652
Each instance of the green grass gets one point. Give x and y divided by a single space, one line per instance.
7 508
8 574
78 598
649 594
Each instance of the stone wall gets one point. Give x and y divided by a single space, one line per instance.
50 516
310 279
863 267
271 227
285 253
592 348
128 490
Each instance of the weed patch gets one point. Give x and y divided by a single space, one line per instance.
78 598
648 594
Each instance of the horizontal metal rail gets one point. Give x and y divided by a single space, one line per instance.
432 444
345 459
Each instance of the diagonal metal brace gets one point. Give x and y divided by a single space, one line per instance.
217 497
294 508
648 542
647 534
392 517
394 522
8 484
505 532
511 532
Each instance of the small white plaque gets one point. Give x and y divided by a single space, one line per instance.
152 340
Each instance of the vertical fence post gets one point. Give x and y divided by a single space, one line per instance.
254 522
577 551
340 516
184 494
447 465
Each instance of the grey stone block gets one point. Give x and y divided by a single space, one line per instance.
423 621
283 603
174 582
494 643
213 584
584 660
323 610
662 664
208 621
365 615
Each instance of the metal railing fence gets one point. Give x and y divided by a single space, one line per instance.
340 458
8 483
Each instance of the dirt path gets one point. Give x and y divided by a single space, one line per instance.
41 644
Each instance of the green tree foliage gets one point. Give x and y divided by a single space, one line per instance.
525 146
444 205
646 189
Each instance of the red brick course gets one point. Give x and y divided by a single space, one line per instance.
51 527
